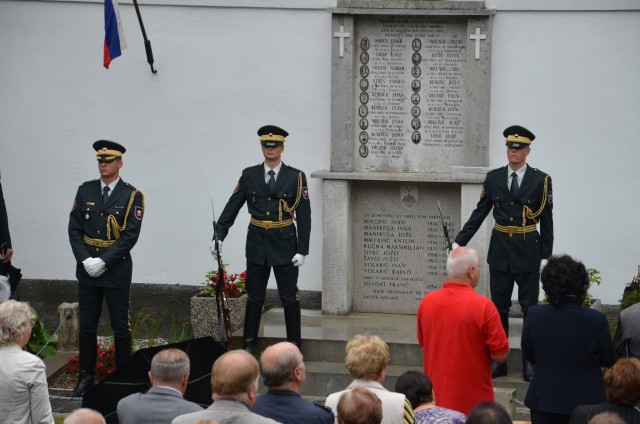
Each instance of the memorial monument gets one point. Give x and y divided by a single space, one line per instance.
411 87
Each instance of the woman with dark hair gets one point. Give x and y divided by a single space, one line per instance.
418 389
568 343
622 385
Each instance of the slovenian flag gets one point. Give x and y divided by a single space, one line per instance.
114 41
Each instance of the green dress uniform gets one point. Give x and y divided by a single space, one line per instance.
108 231
516 247
272 240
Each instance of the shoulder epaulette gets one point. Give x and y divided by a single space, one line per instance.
502 168
544 174
89 182
129 185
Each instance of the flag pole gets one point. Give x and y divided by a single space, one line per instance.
147 43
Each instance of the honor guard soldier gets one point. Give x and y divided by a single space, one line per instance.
521 199
104 225
276 196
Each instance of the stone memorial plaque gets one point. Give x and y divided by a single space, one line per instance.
411 93
399 246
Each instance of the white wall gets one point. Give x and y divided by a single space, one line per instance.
189 129
571 77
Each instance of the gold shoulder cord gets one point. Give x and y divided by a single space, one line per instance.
526 210
112 222
283 203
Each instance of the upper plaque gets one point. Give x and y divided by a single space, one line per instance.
411 95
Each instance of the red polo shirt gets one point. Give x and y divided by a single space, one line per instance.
458 330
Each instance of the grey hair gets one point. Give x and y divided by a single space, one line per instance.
460 260
14 319
170 365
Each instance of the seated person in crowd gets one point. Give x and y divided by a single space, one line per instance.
163 402
283 373
359 406
367 361
24 393
234 382
622 387
418 388
84 416
606 418
488 412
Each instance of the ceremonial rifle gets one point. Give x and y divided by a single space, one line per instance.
222 305
445 229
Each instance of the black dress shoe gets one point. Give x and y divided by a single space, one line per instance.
527 371
498 370
85 382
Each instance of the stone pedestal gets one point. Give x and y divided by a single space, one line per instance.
204 318
69 326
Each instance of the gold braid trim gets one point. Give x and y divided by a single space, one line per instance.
526 210
112 222
283 204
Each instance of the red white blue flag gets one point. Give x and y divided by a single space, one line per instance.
114 41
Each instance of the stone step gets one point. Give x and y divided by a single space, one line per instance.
513 380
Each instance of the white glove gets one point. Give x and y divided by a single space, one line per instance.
543 263
298 260
454 246
212 248
95 267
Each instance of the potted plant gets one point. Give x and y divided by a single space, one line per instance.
204 316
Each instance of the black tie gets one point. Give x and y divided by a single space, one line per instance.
272 180
105 194
514 185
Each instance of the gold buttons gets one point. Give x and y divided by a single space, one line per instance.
98 232
268 213
511 219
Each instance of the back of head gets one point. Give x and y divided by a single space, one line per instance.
622 382
278 364
169 366
459 261
14 320
488 412
416 386
234 373
564 278
359 406
84 416
367 356
606 418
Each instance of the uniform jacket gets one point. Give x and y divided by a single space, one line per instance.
24 394
275 246
224 412
89 218
516 253
4 222
289 407
396 409
159 405
568 345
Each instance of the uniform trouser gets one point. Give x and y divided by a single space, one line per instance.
501 287
257 280
90 309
